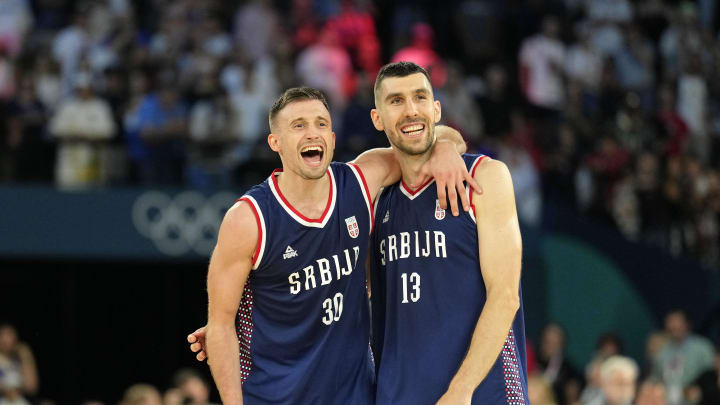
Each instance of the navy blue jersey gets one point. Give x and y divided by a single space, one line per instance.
428 292
303 322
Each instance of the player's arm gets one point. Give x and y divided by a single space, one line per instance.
500 252
382 169
230 265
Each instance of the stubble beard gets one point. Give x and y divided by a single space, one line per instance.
407 150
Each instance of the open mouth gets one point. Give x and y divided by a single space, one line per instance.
413 130
312 155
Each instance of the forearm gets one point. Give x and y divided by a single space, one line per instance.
223 353
487 341
447 134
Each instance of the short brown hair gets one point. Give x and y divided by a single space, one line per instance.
398 69
292 95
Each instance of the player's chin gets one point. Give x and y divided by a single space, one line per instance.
314 172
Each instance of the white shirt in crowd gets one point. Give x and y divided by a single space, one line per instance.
544 59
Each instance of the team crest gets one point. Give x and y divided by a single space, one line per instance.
352 227
439 212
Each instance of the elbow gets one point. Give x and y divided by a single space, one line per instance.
506 300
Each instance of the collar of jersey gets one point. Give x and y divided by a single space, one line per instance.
297 216
412 194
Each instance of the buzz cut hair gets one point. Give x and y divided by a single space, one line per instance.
398 69
293 95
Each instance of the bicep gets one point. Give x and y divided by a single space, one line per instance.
231 263
379 167
499 240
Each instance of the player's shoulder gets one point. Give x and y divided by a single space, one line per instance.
488 168
493 176
241 216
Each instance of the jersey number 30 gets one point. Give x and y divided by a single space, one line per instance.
414 285
333 309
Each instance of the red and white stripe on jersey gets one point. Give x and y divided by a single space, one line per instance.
412 194
468 189
366 192
302 219
262 232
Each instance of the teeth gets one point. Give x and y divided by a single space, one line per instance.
413 128
309 148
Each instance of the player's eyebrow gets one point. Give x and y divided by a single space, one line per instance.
398 94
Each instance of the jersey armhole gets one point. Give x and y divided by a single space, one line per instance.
262 233
366 193
468 189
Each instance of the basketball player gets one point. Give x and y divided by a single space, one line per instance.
447 315
295 243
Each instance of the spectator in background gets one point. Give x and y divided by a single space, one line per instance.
358 133
69 47
692 101
256 27
326 66
675 129
653 211
705 390
608 345
635 64
542 59
7 75
141 394
214 133
47 80
566 381
156 133
685 357
421 52
526 181
461 111
539 391
33 153
168 42
583 63
16 20
82 125
618 375
18 372
355 27
193 387
681 37
497 102
651 393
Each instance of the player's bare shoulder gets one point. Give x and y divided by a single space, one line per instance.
239 229
492 171
498 195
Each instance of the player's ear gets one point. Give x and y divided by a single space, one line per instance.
438 111
377 121
333 141
274 142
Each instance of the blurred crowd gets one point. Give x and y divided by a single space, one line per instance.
679 368
609 105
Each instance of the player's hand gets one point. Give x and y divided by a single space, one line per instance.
455 397
449 171
197 343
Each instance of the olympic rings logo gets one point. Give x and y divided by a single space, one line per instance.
188 222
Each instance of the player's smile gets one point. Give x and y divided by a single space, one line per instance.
413 129
313 154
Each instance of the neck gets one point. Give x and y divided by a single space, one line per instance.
410 166
296 188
